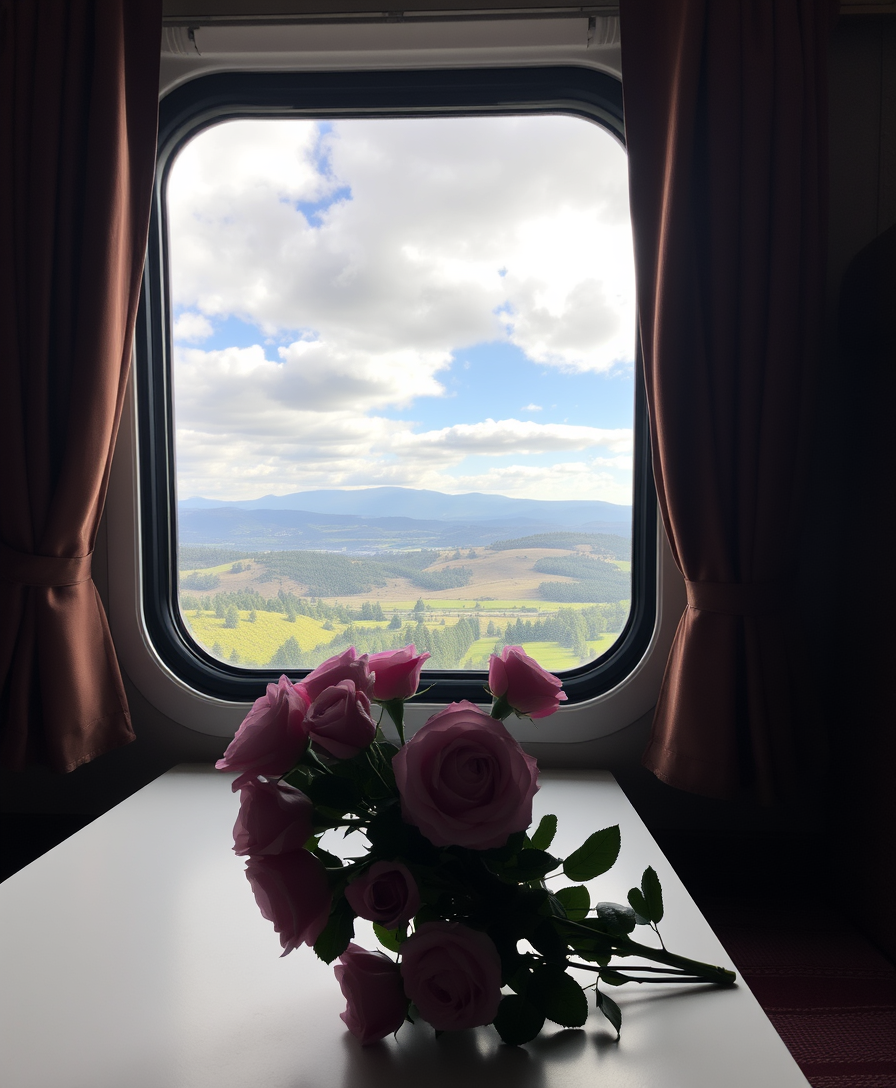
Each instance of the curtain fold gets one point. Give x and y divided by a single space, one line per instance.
725 128
78 116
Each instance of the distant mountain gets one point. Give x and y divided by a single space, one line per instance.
385 502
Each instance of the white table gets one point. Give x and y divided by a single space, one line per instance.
133 956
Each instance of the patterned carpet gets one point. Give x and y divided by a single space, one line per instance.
829 992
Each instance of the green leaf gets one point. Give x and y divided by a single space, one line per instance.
505 853
616 918
331 861
392 939
595 856
547 940
611 1010
531 865
611 978
639 906
518 1021
653 895
334 792
576 901
391 837
427 914
339 930
544 833
520 979
552 907
558 996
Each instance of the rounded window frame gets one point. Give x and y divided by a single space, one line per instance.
211 99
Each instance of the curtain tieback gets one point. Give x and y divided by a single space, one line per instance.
49 571
740 598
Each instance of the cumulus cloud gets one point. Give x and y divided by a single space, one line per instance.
191 327
229 387
368 254
433 234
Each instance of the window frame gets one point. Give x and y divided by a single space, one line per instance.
212 98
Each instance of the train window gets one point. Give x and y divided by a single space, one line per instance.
387 379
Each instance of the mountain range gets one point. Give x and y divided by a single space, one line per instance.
387 518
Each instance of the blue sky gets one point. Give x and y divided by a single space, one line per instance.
444 303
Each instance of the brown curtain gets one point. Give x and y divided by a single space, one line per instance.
725 122
78 115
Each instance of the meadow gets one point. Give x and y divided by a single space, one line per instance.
252 612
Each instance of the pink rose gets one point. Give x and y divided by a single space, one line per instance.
291 891
464 780
271 738
526 687
347 666
452 974
339 720
385 893
396 673
275 818
371 985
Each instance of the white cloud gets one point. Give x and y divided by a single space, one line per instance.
413 257
368 256
514 436
240 389
191 327
217 467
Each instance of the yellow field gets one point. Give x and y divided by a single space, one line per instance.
256 643
503 589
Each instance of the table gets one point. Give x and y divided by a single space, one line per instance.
133 956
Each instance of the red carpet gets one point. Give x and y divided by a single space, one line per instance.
829 993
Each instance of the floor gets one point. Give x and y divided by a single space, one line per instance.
830 993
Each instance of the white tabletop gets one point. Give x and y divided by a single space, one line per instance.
133 956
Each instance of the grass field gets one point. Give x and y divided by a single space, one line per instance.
504 588
257 642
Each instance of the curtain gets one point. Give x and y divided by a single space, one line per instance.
725 122
78 116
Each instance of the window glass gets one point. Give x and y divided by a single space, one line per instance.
403 387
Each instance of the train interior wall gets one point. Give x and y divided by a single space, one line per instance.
840 831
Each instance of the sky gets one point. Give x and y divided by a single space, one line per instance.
443 303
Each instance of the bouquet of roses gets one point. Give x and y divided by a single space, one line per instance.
453 877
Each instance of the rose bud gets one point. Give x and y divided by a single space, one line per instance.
385 893
375 1000
452 974
291 891
464 780
396 673
521 684
339 720
275 818
347 666
272 736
